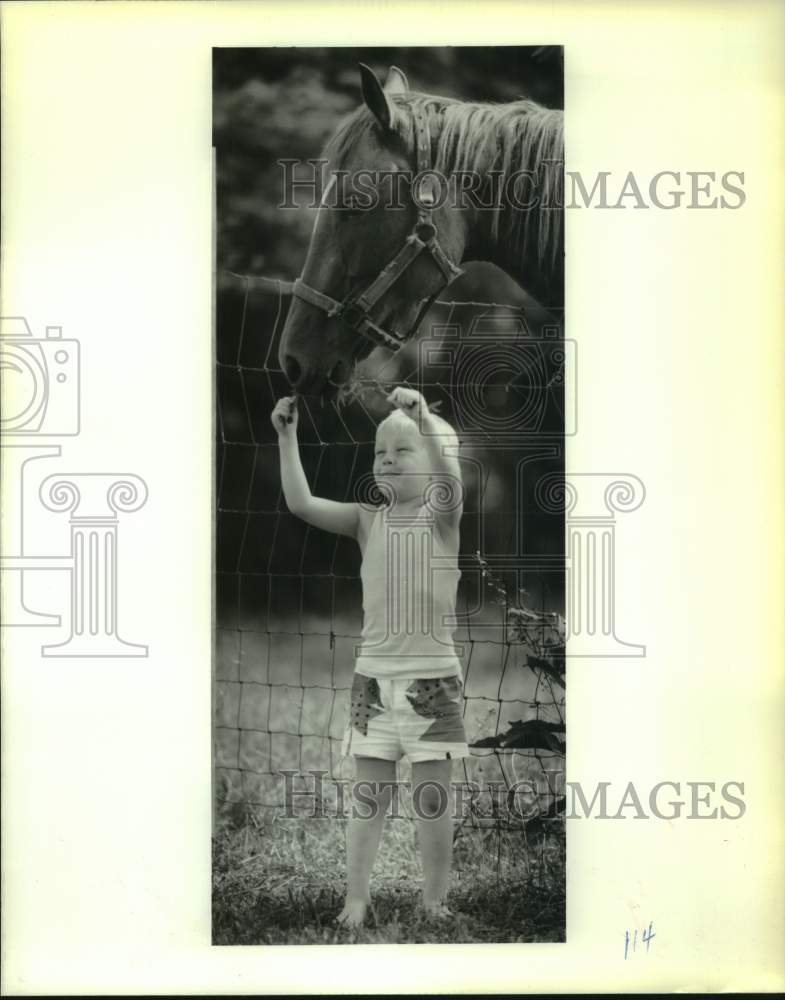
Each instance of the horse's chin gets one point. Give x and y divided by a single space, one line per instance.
342 372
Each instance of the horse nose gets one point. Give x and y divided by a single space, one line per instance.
302 377
292 369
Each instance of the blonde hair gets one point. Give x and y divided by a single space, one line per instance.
398 420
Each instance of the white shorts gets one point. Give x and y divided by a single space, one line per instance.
421 719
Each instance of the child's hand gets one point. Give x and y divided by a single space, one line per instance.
410 401
284 417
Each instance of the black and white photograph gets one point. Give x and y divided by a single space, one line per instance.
391 374
367 372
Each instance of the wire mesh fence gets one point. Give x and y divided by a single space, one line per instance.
288 596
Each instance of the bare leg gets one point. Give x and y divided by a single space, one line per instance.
434 809
366 823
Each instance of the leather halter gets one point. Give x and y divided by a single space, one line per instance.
354 311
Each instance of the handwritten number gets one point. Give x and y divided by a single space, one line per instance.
647 937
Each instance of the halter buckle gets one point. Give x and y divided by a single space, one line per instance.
425 231
353 315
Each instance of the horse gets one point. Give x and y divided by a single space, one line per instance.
482 182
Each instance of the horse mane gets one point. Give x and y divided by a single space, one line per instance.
480 137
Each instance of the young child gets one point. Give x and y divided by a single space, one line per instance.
407 690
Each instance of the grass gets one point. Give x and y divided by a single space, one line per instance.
281 881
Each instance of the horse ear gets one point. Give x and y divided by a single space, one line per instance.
396 82
376 99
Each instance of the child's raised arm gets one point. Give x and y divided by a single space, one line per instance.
444 466
329 515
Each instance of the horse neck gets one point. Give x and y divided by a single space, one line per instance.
528 244
544 284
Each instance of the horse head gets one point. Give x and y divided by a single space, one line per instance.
384 243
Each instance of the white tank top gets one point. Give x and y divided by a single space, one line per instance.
409 581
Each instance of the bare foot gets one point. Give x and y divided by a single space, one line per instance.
353 913
438 911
